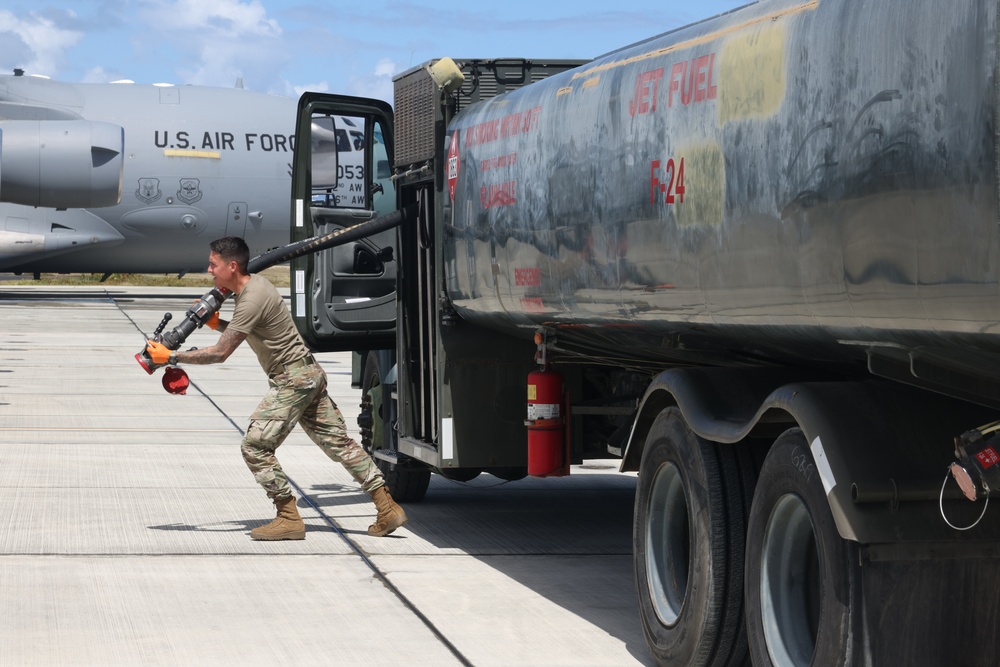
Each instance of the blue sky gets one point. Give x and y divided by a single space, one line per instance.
290 46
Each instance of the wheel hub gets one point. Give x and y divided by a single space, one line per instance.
788 585
667 544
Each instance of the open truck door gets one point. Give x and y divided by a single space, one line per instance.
343 298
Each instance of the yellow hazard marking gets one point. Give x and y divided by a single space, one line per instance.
173 152
532 392
703 39
704 184
752 74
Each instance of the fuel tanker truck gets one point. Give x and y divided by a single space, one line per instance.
756 259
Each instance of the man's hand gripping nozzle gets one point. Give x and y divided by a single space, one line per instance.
156 352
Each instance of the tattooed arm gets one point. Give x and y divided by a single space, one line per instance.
216 354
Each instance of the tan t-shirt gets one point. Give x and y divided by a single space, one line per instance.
261 314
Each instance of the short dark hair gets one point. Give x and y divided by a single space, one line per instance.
232 248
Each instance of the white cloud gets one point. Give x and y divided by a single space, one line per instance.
378 84
221 41
296 91
222 18
385 68
44 43
100 75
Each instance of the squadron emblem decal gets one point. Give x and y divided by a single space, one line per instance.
190 191
149 190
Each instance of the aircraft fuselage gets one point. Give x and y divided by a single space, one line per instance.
199 163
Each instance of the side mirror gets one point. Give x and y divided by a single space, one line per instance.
323 154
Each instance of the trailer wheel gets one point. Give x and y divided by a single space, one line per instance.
407 482
688 535
803 580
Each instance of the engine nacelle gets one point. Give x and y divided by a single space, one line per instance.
61 163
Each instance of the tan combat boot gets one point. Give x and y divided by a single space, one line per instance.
287 526
390 515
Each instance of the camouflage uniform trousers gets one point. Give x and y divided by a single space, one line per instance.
299 396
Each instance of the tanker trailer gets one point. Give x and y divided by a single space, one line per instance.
756 260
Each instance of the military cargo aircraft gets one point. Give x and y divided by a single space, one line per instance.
198 163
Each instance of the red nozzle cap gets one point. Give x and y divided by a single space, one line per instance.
142 362
175 380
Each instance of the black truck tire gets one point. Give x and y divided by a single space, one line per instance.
688 535
803 590
407 482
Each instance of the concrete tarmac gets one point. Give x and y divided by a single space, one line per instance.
125 535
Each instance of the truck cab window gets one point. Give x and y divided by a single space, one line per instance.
339 159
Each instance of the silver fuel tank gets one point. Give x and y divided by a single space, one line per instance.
792 179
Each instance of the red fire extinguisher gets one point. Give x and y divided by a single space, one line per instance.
546 424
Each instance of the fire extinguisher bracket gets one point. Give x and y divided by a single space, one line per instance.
545 423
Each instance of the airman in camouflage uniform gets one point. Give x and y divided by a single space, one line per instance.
296 395
292 398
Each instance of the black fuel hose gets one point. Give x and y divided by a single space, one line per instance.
209 304
339 237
